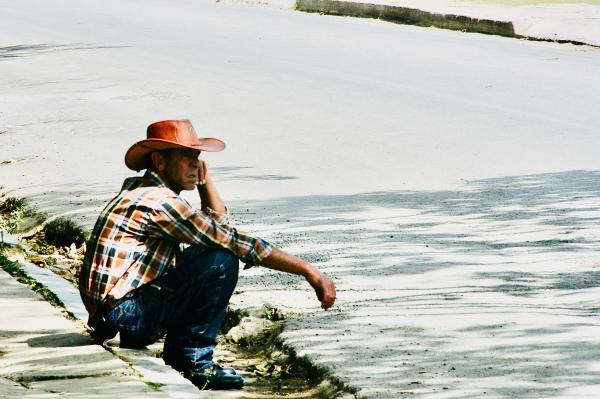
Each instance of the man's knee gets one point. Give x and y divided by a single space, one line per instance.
202 261
230 263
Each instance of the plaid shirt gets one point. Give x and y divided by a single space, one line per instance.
137 237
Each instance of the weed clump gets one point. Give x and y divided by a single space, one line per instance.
272 313
12 211
39 245
63 232
232 319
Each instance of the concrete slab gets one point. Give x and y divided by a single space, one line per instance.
8 239
64 289
154 370
44 355
577 21
30 362
106 387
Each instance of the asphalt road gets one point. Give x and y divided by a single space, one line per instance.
452 172
306 103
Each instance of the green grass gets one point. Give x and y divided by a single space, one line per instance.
153 385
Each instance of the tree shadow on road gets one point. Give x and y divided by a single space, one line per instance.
486 291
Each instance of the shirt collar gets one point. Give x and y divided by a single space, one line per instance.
153 178
149 179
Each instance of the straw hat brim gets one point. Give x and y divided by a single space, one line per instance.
136 156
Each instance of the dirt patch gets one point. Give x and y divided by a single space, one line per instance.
275 374
65 260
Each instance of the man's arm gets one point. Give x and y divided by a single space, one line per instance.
321 283
277 259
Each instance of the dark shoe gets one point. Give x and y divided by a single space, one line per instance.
216 377
129 341
179 365
229 370
102 332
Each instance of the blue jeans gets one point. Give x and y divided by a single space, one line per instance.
187 304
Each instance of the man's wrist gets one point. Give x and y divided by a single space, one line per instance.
309 272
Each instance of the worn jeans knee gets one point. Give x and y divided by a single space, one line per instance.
230 264
128 319
192 338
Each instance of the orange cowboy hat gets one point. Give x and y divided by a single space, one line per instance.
168 134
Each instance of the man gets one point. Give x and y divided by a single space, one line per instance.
137 279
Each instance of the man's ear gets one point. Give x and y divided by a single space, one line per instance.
158 160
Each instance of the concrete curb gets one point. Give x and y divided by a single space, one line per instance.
408 16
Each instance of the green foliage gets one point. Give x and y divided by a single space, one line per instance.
8 265
13 211
42 247
37 260
63 232
11 204
14 221
272 313
276 366
232 319
264 338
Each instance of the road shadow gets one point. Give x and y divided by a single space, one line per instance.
54 354
506 266
423 231
60 340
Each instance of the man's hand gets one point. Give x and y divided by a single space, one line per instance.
321 283
324 287
209 196
202 172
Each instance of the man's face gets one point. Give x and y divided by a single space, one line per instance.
180 169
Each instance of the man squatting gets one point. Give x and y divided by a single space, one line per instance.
138 281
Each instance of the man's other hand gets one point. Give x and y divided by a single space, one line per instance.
324 288
321 283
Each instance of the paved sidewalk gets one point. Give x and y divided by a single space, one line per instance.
561 21
44 355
